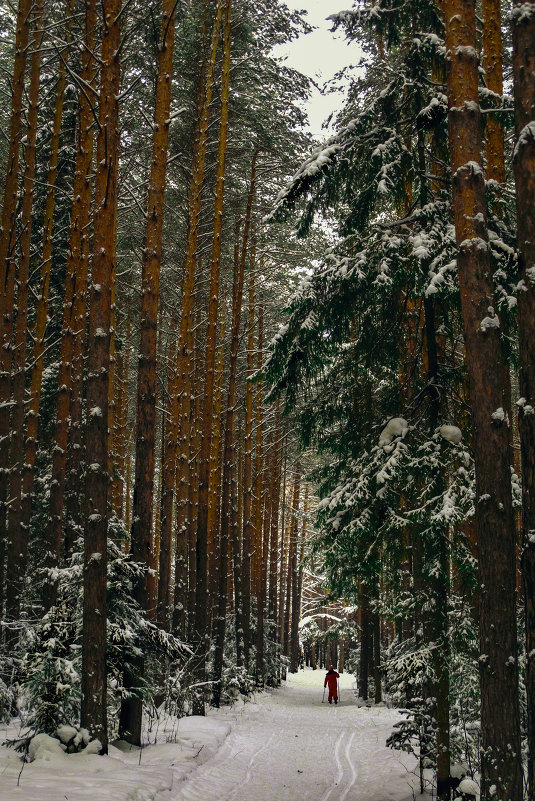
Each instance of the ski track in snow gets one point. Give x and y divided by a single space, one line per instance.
288 746
284 745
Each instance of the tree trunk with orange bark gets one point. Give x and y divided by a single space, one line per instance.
290 548
201 598
141 546
494 144
524 169
183 398
261 509
168 478
94 678
294 568
7 263
53 534
248 523
283 548
257 493
41 314
17 535
120 434
500 720
195 428
69 410
274 533
229 470
216 473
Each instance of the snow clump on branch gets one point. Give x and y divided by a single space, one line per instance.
397 427
451 434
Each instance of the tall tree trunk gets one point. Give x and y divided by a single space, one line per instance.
274 537
17 536
198 367
288 600
298 591
262 506
216 471
283 547
248 472
264 522
185 341
76 298
365 639
236 518
492 64
121 424
41 313
500 725
168 478
201 598
53 533
141 548
293 568
494 146
524 169
7 264
436 620
229 453
94 680
273 611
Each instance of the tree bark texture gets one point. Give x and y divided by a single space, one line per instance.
94 684
248 471
229 452
17 536
524 170
274 535
141 540
185 346
201 598
53 533
41 313
501 764
7 262
293 567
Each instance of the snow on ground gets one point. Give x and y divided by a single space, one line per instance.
282 746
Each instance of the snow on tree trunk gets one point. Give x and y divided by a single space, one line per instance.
524 170
17 535
94 678
7 263
501 769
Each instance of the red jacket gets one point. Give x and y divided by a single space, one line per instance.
330 679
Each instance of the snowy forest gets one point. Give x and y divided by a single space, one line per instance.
267 401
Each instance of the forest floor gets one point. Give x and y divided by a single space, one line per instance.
283 746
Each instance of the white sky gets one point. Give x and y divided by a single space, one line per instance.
320 55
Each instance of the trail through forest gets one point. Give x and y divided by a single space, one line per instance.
290 746
282 746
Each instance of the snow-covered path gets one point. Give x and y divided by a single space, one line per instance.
282 746
289 746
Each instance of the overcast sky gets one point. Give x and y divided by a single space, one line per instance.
320 55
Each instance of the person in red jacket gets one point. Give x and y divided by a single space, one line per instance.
331 679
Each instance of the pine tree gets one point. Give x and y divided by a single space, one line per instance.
141 534
523 162
94 684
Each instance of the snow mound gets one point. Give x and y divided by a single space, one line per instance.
94 747
66 733
451 433
469 787
44 748
397 427
77 740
